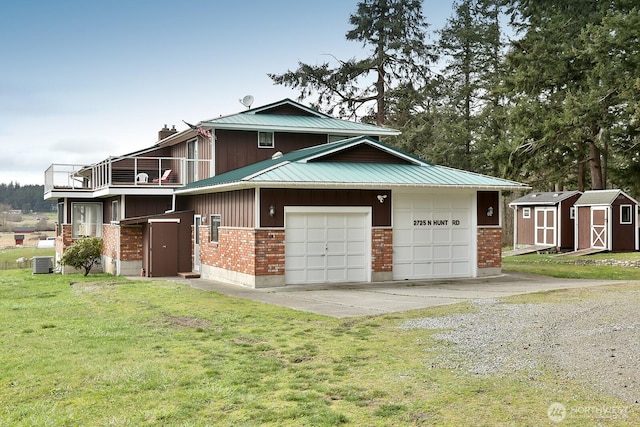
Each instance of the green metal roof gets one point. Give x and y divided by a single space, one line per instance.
311 121
295 168
376 173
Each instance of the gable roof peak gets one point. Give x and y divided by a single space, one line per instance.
289 102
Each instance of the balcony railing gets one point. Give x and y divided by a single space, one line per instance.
126 172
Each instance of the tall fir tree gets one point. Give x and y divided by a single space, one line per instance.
394 31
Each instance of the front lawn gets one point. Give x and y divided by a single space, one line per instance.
606 266
105 351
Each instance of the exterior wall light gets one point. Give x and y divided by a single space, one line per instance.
490 211
381 197
272 211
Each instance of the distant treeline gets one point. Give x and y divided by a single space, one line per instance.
27 198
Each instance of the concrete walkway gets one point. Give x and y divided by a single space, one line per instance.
361 299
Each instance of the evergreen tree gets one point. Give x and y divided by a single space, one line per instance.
471 42
563 112
394 31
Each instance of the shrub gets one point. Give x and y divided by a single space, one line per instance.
84 253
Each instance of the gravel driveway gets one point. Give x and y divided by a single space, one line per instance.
595 339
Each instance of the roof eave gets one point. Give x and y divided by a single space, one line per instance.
237 185
299 129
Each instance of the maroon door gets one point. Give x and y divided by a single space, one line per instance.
163 247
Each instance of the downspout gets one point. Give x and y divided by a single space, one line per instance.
515 227
635 223
576 227
173 204
609 225
558 225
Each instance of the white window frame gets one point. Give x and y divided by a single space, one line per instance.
215 220
526 213
630 210
61 217
92 219
268 142
115 211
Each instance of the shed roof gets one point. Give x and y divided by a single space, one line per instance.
306 168
549 198
601 197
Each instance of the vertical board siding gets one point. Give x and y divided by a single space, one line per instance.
236 208
584 224
567 232
526 227
364 153
235 149
136 206
487 199
280 197
623 235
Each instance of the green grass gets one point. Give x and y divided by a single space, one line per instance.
580 267
104 351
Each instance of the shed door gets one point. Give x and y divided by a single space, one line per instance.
599 227
327 247
432 237
545 226
163 245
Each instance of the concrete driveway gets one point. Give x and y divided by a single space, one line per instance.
361 299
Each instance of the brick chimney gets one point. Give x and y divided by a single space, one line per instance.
166 132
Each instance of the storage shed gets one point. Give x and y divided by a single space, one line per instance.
606 220
545 220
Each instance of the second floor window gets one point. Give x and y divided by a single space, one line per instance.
265 140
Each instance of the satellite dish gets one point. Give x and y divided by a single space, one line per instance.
247 101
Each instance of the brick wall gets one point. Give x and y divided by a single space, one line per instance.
269 252
489 247
65 240
110 240
382 249
123 242
234 251
130 243
244 250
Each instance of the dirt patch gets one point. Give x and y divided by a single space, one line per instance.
188 322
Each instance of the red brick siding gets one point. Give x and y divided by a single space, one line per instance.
269 252
489 247
65 240
130 243
382 249
110 240
123 242
245 250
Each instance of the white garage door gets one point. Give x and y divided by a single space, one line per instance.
327 246
431 236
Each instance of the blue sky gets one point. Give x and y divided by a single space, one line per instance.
81 80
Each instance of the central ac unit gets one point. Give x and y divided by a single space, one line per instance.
42 264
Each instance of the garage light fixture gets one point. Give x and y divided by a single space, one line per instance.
490 211
381 197
272 211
